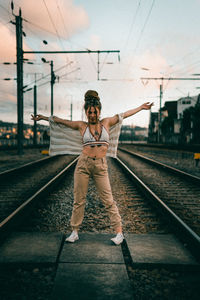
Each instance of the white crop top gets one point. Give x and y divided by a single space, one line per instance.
90 140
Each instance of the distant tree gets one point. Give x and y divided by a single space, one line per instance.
187 118
167 125
196 123
191 122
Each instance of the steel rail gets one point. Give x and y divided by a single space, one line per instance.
188 237
15 218
24 167
173 170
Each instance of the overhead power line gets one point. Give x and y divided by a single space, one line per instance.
43 77
145 23
53 23
184 69
187 54
132 24
141 33
63 21
5 9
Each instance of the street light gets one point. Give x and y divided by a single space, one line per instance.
53 78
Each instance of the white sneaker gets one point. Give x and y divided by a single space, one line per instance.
118 239
73 237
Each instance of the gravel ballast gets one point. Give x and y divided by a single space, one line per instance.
36 282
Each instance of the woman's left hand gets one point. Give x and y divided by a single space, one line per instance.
146 105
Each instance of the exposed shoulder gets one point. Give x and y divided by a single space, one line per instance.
105 123
110 121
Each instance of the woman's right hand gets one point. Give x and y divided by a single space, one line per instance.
37 117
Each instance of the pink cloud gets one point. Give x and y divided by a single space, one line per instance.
67 17
7 49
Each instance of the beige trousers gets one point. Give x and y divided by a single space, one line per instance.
97 169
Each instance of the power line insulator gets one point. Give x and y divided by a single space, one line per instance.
12 5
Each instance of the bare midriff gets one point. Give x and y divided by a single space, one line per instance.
95 151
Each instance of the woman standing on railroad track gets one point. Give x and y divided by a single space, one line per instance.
99 138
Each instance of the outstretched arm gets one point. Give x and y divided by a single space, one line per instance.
133 111
77 125
39 117
115 119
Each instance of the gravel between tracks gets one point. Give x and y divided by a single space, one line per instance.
54 213
182 160
36 283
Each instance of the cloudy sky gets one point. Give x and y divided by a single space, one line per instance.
156 38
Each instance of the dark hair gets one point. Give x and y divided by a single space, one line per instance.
92 99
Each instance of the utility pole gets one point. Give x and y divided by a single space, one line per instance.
161 95
159 121
34 105
98 63
20 100
53 77
71 110
35 113
20 53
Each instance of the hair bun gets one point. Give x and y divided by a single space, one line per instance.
90 94
92 99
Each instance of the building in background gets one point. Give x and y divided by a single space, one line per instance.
8 134
180 122
184 103
133 134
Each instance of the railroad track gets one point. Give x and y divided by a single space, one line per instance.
21 187
180 159
133 201
177 192
137 213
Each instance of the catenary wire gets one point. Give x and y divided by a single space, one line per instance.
51 19
141 33
132 24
